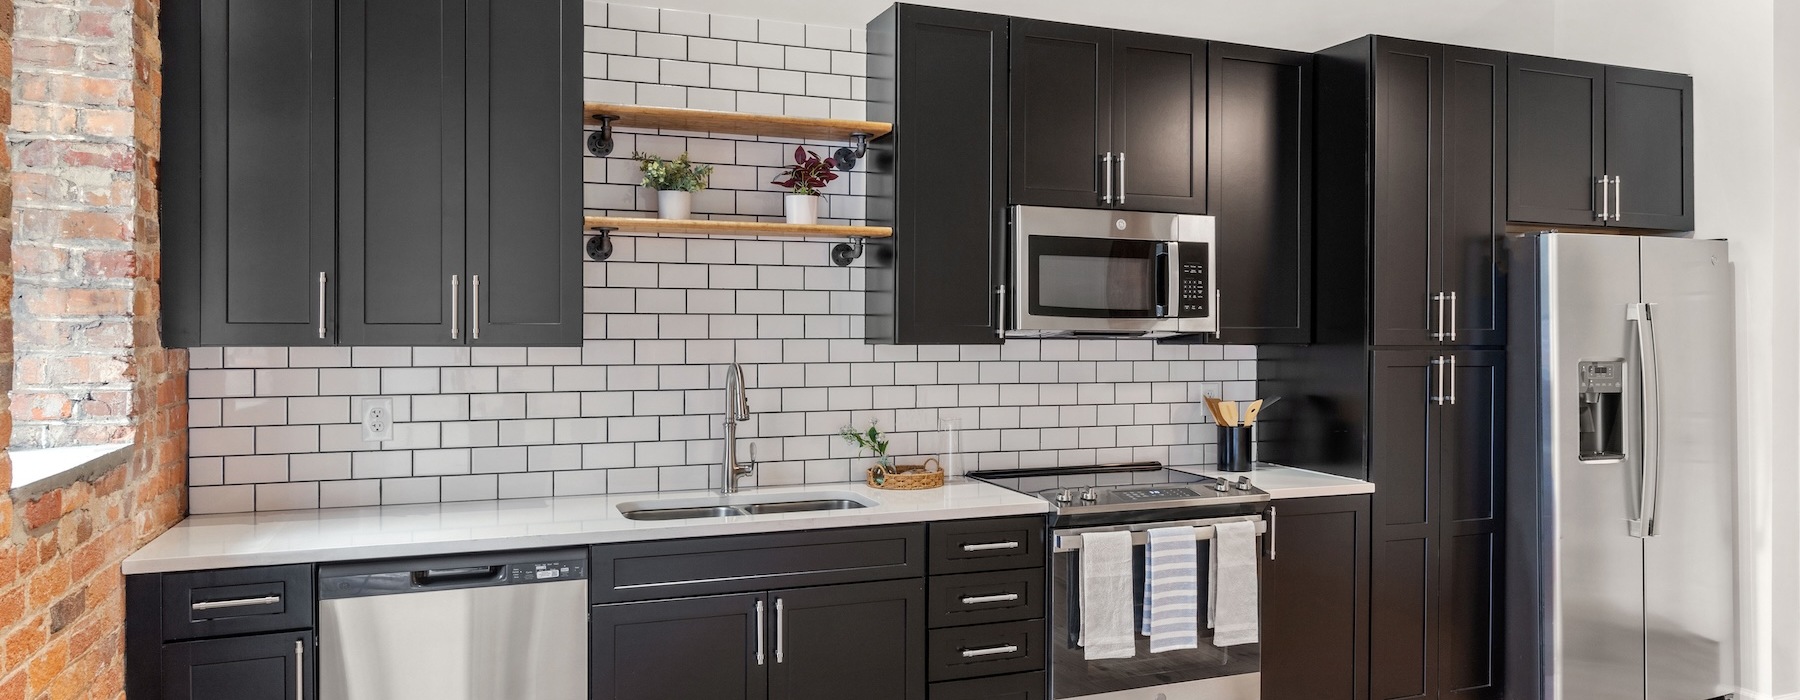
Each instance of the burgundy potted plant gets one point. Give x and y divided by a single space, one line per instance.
806 177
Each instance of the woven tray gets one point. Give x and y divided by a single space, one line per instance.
914 477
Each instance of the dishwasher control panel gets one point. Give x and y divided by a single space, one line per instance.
546 571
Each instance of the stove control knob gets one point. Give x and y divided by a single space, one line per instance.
1088 495
1064 496
1243 483
1222 485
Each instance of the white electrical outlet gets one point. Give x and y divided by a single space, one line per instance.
377 419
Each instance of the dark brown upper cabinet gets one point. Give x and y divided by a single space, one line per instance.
248 173
1106 118
1425 212
1595 145
1259 186
375 172
939 178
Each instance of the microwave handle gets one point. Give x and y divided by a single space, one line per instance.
1166 294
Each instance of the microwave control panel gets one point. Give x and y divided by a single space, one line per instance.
1195 298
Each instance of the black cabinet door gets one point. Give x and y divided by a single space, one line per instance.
1316 600
1408 125
1470 453
1650 147
716 648
1159 115
1404 524
1471 242
860 640
524 172
1555 141
940 77
1259 184
402 172
262 667
248 172
1061 113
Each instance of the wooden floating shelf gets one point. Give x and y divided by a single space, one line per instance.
711 121
735 228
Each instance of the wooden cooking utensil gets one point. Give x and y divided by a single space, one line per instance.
1250 414
1212 404
1229 409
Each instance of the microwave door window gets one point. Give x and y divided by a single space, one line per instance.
1095 284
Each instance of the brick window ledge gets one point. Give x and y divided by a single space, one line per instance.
40 471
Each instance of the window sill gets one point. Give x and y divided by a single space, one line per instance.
35 472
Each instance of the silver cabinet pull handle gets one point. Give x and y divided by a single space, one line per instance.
1438 334
1618 198
1106 172
235 602
1605 198
321 306
997 598
989 651
455 295
1451 329
999 316
1271 533
1453 380
1437 365
299 669
780 631
986 546
1119 194
475 307
761 637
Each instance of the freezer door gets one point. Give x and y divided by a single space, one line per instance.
1689 563
1594 566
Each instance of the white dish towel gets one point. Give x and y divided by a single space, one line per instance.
1106 630
1231 608
1171 589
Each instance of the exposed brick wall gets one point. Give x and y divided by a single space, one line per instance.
61 594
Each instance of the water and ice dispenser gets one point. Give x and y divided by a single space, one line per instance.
1602 390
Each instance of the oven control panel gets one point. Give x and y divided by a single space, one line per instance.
1194 295
1155 494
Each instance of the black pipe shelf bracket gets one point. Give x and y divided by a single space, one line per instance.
600 143
846 157
843 254
600 247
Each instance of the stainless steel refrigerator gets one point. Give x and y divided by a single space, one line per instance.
1621 480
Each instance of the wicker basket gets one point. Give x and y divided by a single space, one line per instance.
915 477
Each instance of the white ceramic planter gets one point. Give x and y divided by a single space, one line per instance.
802 209
674 204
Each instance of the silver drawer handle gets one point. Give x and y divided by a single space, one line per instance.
236 602
986 546
989 651
979 599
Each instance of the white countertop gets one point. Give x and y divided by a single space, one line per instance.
1284 482
343 534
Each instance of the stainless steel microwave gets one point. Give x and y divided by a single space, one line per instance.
1102 273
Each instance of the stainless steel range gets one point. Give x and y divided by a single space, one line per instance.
1138 497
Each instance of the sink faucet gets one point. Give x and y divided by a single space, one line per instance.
737 409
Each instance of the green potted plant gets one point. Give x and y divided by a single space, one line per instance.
675 182
805 179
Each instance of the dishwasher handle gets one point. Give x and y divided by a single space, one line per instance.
444 577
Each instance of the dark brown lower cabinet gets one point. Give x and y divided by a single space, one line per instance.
263 667
1019 686
862 640
1315 609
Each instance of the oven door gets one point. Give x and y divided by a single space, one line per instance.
1096 272
1206 673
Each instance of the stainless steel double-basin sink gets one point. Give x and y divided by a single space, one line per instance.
745 504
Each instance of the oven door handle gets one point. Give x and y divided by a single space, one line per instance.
1168 297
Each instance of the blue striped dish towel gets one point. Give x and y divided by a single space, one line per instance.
1231 608
1171 589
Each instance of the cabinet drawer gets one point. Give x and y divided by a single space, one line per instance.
236 601
1019 686
988 596
962 546
986 650
742 563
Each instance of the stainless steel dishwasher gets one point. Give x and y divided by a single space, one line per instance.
469 627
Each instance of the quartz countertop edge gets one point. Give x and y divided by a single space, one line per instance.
378 532
1284 482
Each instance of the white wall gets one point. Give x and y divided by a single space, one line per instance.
1747 173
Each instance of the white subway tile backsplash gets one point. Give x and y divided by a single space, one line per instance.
637 407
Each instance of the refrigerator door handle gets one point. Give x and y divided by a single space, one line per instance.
1649 381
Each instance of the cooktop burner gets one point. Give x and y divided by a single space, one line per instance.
1128 490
